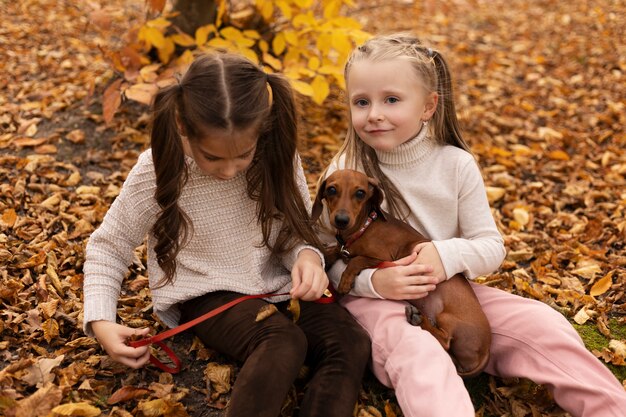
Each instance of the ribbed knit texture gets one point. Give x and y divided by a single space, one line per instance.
446 195
224 251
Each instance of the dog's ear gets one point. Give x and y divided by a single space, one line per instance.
377 194
317 205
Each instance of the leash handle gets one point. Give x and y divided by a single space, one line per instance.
158 339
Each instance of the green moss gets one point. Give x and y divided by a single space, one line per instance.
594 340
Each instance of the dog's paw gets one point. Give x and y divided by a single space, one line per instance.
413 315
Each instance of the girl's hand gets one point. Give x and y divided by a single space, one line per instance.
427 255
113 337
308 277
407 281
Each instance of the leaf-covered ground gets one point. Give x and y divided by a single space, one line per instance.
541 90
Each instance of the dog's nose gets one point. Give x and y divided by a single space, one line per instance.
341 220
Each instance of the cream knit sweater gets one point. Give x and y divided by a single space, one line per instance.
223 253
446 195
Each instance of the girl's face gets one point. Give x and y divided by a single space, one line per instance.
388 102
223 154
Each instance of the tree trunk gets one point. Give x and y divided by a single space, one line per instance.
193 14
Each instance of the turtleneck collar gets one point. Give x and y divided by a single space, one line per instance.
409 153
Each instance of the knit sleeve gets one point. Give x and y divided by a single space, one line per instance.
480 248
290 257
110 249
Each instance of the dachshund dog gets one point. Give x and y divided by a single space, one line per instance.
368 237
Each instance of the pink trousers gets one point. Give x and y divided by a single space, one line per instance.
529 340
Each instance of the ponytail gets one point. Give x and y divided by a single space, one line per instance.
446 125
271 178
171 226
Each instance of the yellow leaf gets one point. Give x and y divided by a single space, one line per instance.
219 377
272 62
183 39
267 10
320 89
495 193
88 189
263 45
252 34
558 156
152 36
324 43
76 409
165 52
220 43
142 93
304 21
521 216
285 8
202 34
302 87
250 54
159 23
341 44
185 59
331 10
291 37
154 408
602 285
279 43
330 70
221 10
265 311
294 309
314 63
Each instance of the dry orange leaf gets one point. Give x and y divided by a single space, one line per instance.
9 217
558 156
111 100
126 393
602 285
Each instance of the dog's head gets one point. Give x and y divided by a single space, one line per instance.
350 196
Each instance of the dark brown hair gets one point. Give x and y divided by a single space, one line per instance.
228 92
432 69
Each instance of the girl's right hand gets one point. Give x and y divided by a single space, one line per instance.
113 337
406 281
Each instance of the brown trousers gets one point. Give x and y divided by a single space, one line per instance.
272 351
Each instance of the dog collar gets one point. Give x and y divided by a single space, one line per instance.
344 245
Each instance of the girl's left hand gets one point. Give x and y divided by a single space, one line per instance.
427 255
308 277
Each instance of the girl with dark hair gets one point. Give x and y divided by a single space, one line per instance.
224 203
404 132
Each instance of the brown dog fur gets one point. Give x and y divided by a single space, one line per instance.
452 312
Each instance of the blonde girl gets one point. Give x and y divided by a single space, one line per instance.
404 131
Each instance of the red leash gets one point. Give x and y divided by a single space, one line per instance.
158 339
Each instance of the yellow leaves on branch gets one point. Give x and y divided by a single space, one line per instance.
308 41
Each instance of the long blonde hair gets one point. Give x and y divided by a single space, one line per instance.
432 70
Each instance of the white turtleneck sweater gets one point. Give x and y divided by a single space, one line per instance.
224 251
444 190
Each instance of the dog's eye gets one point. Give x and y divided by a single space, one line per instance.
360 194
331 191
